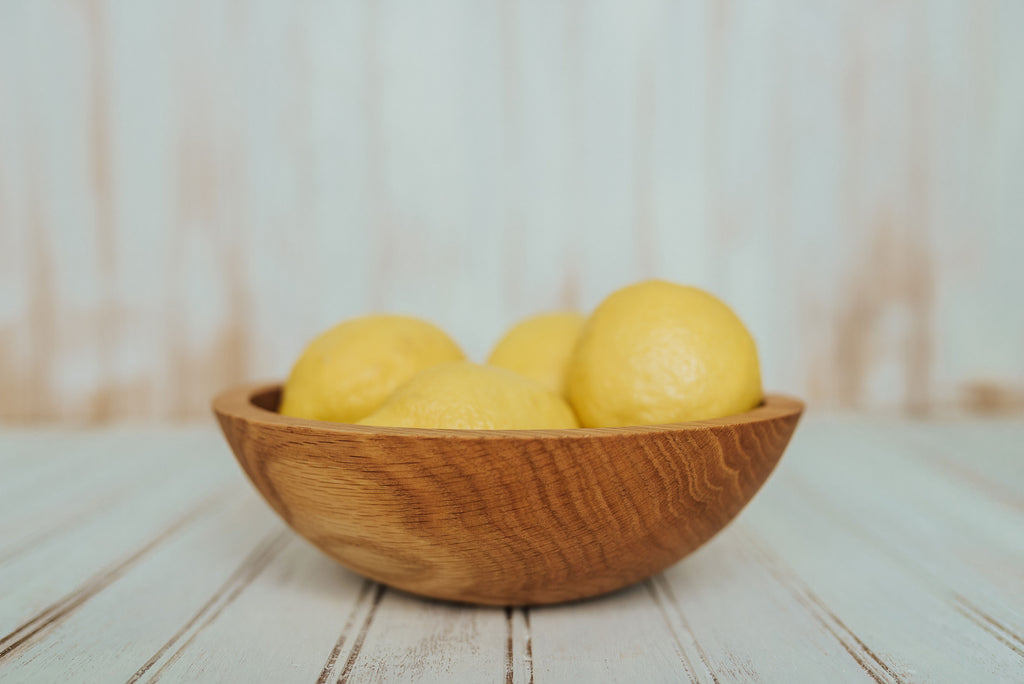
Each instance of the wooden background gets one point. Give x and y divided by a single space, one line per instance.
190 190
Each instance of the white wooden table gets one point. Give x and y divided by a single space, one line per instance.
879 550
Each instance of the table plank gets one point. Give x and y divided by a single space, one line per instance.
33 468
988 457
121 627
915 631
284 626
880 551
745 626
621 637
952 533
409 639
89 552
95 471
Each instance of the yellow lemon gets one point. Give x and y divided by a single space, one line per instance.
656 352
468 396
347 372
539 348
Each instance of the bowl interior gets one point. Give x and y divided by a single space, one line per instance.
267 398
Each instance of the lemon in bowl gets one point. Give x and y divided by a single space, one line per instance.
540 347
656 352
467 396
347 372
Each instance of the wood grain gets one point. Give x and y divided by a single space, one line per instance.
505 517
190 192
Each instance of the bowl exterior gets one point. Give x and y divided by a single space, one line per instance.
509 518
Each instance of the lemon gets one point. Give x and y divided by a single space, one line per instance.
469 396
539 348
656 352
347 372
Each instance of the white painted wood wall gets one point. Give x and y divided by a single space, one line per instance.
190 190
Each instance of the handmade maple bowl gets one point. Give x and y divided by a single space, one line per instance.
505 517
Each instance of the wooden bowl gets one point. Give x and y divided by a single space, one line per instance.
505 517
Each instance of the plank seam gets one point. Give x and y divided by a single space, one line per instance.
820 611
687 666
991 620
666 588
937 587
509 678
57 612
364 593
986 622
357 645
241 578
528 641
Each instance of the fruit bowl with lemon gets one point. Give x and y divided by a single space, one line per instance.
587 454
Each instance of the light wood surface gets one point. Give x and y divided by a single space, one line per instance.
191 190
505 517
879 551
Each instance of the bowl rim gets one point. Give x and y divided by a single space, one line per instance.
237 402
